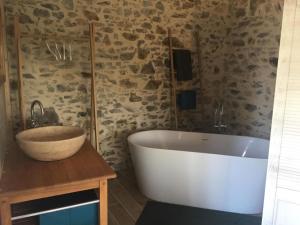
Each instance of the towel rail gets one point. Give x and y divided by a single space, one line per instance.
173 73
173 80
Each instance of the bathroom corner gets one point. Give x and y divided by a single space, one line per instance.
149 112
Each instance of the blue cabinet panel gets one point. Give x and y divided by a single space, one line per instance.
55 218
83 215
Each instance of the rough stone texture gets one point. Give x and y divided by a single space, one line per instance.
132 77
253 68
3 128
238 58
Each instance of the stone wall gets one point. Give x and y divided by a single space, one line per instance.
131 61
212 22
4 134
239 54
237 63
251 67
3 128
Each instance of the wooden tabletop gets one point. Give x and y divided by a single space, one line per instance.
22 174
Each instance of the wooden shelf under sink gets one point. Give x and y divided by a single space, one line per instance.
35 208
25 179
27 221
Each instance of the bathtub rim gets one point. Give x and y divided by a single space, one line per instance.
166 149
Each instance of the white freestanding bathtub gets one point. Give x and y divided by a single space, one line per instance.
211 171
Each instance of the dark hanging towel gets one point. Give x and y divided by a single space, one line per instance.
187 100
183 64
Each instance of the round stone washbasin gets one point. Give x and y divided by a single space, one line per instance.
51 143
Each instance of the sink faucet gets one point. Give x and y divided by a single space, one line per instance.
35 121
218 120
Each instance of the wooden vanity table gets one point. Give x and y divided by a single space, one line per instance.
25 179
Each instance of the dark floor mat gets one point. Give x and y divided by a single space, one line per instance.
157 213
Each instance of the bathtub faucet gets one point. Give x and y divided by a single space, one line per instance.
218 120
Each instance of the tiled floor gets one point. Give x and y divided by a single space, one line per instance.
125 201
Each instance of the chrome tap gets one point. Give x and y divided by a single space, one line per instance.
36 121
219 116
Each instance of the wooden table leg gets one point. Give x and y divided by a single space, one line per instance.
5 212
103 207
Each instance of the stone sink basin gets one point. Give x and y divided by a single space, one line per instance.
51 143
